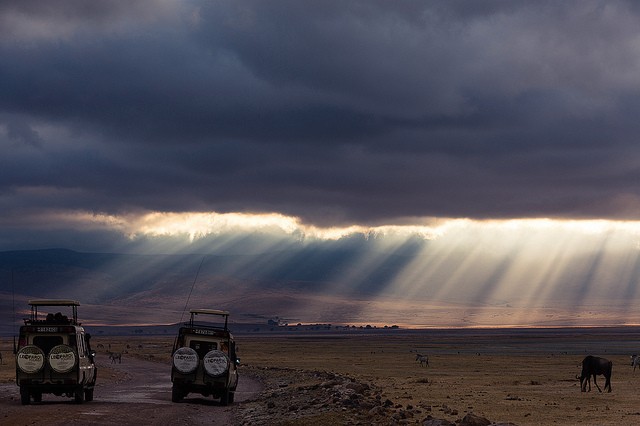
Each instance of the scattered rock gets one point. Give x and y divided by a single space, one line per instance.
430 421
473 420
358 387
378 411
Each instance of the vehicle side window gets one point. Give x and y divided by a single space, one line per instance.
72 341
87 342
46 343
81 348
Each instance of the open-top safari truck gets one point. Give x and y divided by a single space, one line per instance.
53 354
204 357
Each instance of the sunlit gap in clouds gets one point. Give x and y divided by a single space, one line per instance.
525 272
449 272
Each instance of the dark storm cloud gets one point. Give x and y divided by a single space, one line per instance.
337 112
22 133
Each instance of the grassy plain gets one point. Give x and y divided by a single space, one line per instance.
524 378
527 378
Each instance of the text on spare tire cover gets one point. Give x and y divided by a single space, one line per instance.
30 359
216 363
185 360
62 359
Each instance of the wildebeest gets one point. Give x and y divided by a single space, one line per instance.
593 366
635 362
423 360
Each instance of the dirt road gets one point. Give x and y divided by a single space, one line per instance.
134 392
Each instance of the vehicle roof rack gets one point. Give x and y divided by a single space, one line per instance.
54 302
195 312
209 312
57 318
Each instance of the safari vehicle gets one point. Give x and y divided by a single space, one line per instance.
204 358
53 354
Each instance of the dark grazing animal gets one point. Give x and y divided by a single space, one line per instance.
593 366
115 356
423 360
635 362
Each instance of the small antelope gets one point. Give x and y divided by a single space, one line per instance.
113 356
635 362
423 360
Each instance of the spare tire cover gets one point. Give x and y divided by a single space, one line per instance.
62 358
30 359
216 363
185 360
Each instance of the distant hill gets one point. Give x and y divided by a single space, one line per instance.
301 285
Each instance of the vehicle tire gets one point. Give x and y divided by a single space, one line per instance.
88 393
37 396
224 399
176 394
232 396
25 397
78 395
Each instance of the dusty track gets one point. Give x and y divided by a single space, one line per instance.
134 392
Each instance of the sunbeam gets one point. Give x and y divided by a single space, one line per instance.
517 272
457 272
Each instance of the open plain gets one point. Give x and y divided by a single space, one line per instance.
523 377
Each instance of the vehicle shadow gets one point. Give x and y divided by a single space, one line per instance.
208 402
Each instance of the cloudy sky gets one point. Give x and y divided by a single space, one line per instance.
123 121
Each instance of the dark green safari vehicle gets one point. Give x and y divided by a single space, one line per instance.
204 357
53 355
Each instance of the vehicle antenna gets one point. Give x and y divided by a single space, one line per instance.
192 286
13 301
13 309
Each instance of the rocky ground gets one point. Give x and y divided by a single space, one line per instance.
299 397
